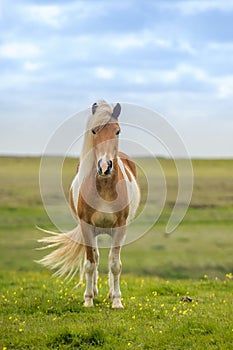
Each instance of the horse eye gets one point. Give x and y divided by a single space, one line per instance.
93 132
118 132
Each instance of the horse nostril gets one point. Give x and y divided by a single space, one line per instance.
109 164
99 167
109 169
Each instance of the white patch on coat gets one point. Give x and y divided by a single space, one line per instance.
132 190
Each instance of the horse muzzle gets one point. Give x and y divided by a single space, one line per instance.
104 167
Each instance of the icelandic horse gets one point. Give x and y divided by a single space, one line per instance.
104 197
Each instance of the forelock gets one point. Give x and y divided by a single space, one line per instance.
101 117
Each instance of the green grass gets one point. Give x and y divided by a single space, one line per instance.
40 312
43 313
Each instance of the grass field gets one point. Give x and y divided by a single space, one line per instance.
159 271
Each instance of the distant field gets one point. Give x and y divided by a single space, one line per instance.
39 312
202 243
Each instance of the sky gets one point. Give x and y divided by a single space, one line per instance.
172 56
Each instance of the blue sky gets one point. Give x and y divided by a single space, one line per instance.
175 57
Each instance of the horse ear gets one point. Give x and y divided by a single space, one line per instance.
94 108
116 111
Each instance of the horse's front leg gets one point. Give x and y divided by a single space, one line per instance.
90 264
115 267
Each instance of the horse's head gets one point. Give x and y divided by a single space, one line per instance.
105 141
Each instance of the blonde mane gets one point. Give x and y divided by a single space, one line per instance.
100 118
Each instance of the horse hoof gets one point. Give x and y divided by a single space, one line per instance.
88 302
117 304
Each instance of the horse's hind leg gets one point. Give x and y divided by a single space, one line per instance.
89 268
90 264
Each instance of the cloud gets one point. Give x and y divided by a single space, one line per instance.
127 41
31 66
138 40
104 73
51 15
0 9
151 40
168 78
185 46
220 46
224 86
59 15
197 6
17 50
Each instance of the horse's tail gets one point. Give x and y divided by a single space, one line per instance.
68 258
